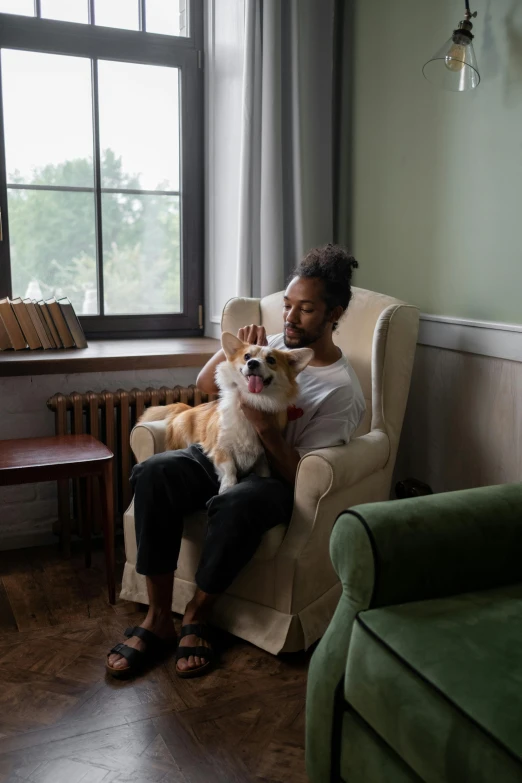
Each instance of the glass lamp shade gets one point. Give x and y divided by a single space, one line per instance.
454 66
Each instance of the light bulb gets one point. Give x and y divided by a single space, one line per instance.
454 60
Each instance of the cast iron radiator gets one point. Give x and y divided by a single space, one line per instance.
109 417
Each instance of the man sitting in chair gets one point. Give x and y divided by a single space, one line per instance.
169 485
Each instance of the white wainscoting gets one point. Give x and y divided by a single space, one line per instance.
463 422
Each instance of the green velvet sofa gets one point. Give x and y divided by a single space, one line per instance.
419 675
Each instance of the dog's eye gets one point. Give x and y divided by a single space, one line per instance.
247 357
270 360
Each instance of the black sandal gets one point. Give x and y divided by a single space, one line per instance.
203 632
138 660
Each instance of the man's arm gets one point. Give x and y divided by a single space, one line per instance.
206 380
283 459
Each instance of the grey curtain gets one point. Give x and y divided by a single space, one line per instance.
289 134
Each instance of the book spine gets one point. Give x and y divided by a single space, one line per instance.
10 322
50 323
40 331
61 325
26 325
41 316
5 340
73 323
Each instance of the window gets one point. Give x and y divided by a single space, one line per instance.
101 145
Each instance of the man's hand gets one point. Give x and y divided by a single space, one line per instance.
283 459
262 422
253 335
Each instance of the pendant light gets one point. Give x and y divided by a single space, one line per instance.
454 66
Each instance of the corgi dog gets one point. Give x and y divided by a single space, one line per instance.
256 375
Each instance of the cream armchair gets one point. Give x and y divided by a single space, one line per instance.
284 599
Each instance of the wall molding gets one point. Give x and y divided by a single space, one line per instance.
486 338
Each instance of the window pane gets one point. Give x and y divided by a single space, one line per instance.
66 10
117 13
22 7
48 118
169 17
141 254
53 245
139 122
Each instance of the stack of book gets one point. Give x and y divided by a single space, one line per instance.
25 323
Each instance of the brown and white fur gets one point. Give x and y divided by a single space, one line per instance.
259 376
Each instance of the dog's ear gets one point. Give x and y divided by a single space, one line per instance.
230 344
299 358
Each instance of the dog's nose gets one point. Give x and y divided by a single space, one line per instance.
252 364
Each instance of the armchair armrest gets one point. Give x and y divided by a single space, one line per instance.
324 479
147 439
430 547
340 467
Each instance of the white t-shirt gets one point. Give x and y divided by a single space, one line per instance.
330 405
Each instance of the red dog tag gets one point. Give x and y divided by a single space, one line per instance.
294 413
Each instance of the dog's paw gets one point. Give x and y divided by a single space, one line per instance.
227 484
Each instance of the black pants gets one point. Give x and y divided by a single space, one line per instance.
169 485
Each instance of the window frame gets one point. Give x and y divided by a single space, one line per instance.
104 43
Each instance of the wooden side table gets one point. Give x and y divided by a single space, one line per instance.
27 460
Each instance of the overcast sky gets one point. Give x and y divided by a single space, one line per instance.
47 100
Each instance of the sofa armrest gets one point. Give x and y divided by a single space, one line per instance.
148 438
432 546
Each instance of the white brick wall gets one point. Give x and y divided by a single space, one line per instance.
27 511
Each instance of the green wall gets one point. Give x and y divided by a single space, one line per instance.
437 177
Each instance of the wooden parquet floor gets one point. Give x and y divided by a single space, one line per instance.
63 721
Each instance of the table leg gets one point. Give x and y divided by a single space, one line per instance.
107 506
87 520
64 515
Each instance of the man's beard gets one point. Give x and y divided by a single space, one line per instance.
304 339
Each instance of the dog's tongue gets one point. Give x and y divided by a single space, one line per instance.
255 384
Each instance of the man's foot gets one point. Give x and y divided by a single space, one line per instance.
190 664
161 626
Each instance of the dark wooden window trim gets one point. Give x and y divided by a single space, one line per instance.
54 37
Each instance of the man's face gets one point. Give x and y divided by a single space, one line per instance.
305 314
